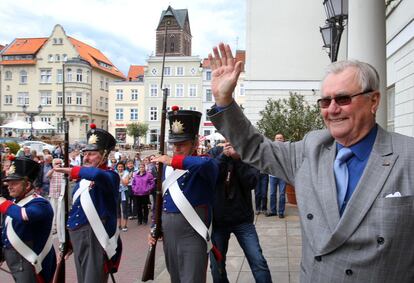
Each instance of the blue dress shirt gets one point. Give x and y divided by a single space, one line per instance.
356 164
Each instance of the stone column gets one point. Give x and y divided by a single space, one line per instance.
366 42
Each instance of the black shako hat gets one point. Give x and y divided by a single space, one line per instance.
22 167
99 139
184 124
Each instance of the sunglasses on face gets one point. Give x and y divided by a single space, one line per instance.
341 100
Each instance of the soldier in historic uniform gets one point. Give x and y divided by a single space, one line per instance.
92 221
188 193
27 232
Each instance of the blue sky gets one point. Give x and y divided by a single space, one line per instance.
124 30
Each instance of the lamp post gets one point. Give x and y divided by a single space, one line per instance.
336 13
31 117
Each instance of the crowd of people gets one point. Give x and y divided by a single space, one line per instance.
353 185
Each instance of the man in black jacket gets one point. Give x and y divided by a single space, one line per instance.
233 213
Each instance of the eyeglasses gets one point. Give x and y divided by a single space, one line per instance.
341 100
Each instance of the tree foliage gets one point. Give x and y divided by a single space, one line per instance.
293 117
137 130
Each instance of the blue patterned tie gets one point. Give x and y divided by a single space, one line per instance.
341 174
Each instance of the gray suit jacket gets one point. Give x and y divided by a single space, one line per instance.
373 241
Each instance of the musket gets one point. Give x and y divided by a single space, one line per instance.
59 276
156 231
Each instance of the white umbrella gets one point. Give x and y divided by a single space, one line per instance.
18 124
215 136
39 125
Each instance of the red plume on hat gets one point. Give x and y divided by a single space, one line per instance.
11 157
175 108
92 126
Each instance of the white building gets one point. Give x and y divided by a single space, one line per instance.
289 55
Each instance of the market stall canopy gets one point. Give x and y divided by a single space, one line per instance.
215 136
18 125
39 125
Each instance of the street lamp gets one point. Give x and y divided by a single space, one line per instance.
336 13
31 116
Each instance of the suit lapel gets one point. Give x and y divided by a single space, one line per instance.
327 189
379 166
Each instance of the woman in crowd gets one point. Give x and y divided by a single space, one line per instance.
142 185
131 172
123 197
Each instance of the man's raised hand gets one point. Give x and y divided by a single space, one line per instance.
225 72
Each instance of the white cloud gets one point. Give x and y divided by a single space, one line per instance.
123 29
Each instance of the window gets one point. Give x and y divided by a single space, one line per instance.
45 119
106 104
57 58
241 89
192 90
207 132
45 97
154 90
69 75
87 77
180 71
79 75
167 71
55 41
87 99
209 97
23 98
59 98
7 87
8 99
154 71
193 71
68 98
101 103
102 83
8 75
208 75
60 40
134 94
153 113
59 76
45 76
134 114
64 57
119 94
23 77
119 113
153 136
79 98
179 90
106 84
50 57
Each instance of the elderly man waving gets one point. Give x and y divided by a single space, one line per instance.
354 181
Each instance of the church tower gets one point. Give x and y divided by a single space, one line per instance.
178 33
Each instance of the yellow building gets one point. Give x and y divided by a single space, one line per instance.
32 75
